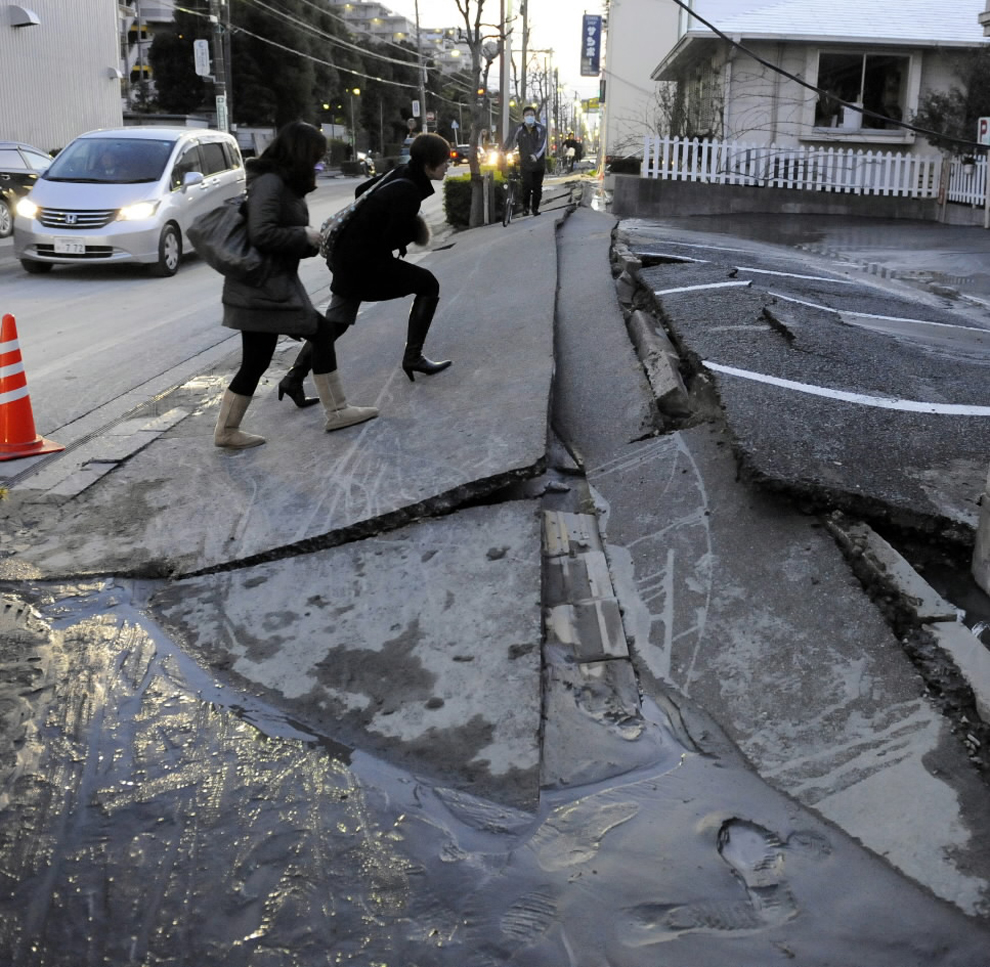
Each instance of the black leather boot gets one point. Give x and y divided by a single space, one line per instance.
291 384
420 318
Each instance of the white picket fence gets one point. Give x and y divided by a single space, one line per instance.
812 168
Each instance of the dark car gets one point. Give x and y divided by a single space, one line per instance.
20 165
460 154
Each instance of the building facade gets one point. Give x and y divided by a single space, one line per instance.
863 70
59 69
637 30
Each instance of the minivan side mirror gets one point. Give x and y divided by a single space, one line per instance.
191 178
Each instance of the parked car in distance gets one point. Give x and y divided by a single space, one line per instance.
125 195
460 154
20 166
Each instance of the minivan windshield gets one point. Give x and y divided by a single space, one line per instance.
111 161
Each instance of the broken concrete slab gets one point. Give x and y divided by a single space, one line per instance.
401 644
182 506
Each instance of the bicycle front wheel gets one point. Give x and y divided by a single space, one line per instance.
509 203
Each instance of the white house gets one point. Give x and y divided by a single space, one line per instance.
878 57
59 69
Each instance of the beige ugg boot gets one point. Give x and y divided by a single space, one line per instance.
338 411
232 410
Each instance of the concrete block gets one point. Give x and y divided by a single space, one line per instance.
625 288
569 534
592 629
980 567
894 571
971 657
661 364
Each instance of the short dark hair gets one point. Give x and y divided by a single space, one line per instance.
429 150
530 107
295 151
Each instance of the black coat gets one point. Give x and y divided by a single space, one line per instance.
384 223
277 219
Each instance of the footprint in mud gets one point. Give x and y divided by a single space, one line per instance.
757 857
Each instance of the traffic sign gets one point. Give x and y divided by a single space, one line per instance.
415 109
983 131
201 57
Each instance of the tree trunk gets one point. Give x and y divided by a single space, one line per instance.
477 200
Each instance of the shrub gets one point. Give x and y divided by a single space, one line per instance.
457 198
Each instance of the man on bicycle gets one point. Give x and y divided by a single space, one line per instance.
531 140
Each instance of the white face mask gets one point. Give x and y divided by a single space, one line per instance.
529 120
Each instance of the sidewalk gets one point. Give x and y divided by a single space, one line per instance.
452 590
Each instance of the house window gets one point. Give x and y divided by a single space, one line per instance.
878 82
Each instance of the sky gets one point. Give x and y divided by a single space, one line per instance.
552 24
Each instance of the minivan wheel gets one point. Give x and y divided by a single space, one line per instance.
169 252
36 268
6 220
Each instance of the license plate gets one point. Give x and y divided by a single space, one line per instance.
69 246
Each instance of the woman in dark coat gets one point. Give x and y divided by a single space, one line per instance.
278 226
366 267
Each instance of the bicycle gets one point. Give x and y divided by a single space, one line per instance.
511 187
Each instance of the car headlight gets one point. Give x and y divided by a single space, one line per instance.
26 208
135 213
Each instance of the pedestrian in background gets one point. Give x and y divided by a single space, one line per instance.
368 258
278 226
531 140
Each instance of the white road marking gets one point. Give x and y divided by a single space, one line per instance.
794 275
881 402
708 285
871 315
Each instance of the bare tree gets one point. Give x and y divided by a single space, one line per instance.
485 41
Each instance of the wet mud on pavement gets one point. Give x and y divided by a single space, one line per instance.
162 818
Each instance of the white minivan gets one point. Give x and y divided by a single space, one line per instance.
125 195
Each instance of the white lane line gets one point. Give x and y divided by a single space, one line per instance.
707 285
671 255
706 248
871 315
794 275
881 402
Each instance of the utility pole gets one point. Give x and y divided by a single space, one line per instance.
524 11
506 67
422 71
219 68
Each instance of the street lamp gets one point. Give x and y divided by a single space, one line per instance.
352 92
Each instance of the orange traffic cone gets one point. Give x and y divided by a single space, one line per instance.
17 434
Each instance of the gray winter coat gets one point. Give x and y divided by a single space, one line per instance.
277 220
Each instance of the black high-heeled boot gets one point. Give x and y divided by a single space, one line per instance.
420 319
291 384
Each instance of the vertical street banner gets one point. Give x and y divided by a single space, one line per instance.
591 45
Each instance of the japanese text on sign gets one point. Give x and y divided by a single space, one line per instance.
591 45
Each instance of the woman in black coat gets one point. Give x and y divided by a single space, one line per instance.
278 226
366 267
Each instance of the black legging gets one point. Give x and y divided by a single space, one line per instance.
396 279
258 348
